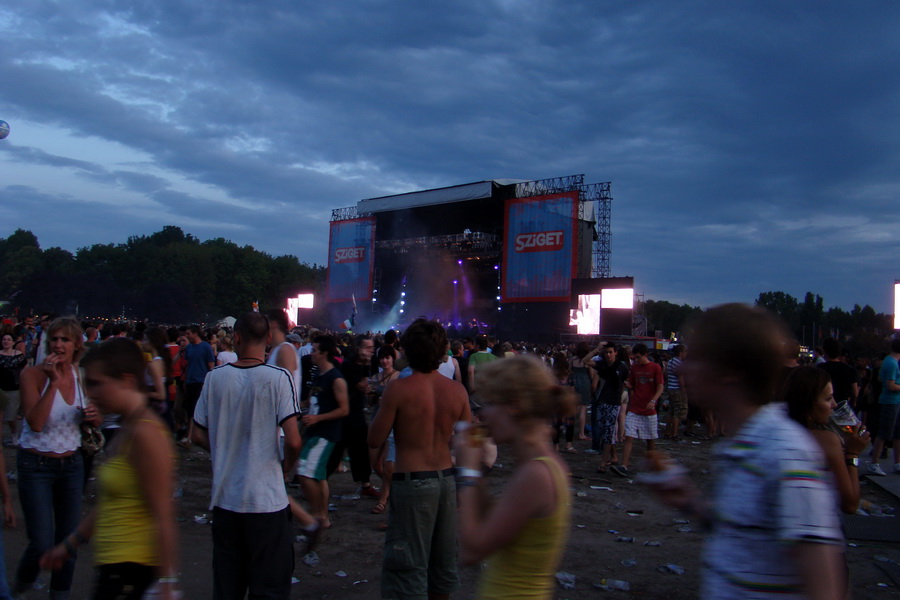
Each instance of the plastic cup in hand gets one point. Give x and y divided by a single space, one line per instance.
844 417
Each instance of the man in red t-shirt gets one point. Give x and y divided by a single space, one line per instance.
645 381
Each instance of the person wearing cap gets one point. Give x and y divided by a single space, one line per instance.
296 340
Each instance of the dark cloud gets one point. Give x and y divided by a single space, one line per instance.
750 146
36 156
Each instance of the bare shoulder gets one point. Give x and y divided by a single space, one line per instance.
151 431
827 440
535 480
33 376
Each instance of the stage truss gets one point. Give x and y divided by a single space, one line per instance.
597 195
467 243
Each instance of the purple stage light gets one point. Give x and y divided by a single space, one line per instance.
455 282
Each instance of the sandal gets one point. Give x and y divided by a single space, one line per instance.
570 450
379 508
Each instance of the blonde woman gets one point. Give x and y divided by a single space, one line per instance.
133 525
523 533
50 467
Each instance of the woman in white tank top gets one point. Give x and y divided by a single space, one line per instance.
50 468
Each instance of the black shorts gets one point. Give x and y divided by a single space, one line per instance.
191 395
889 422
114 579
252 552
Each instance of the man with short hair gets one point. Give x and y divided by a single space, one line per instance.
888 410
199 360
241 406
772 515
328 405
357 369
609 406
91 337
456 348
282 352
482 356
420 546
843 376
307 348
645 380
678 402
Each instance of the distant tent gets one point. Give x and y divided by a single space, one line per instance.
228 322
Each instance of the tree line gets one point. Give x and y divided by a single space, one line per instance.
167 277
172 277
861 330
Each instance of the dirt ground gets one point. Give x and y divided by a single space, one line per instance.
353 547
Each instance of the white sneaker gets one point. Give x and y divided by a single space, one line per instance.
875 469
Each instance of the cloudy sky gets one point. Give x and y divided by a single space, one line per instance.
751 145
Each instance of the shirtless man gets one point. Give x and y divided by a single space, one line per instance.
420 545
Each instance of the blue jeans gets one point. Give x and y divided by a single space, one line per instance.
50 490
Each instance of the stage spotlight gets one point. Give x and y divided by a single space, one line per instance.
403 294
498 297
403 303
496 267
455 282
459 262
401 311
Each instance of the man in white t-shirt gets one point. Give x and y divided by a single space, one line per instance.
241 407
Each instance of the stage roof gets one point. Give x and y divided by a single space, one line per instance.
447 195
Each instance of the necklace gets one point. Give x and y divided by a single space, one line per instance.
241 360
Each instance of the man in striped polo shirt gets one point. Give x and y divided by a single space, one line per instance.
678 403
774 528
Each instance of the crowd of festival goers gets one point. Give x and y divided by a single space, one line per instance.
282 408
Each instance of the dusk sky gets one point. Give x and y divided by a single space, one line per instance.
751 145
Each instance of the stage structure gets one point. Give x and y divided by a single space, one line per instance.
495 256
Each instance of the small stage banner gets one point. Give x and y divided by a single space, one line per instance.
351 259
539 251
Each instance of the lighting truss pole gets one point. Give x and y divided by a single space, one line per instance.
600 195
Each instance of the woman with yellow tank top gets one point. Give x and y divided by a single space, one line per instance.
133 523
524 532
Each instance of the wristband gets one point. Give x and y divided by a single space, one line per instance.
852 462
70 549
473 473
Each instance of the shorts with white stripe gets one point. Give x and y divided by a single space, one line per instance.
314 458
